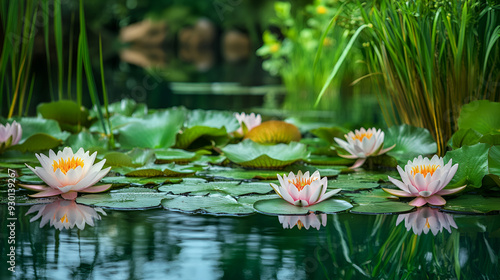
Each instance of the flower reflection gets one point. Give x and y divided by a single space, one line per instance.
65 214
425 219
306 221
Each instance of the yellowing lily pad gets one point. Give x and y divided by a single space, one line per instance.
274 132
279 206
251 154
213 205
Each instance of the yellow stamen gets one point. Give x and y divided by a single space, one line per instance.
427 225
424 169
300 225
66 165
64 219
321 10
360 136
301 183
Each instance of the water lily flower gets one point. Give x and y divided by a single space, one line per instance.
305 221
302 189
425 219
10 134
68 173
65 214
425 180
247 122
363 143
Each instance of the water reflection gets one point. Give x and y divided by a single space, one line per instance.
425 219
66 214
305 221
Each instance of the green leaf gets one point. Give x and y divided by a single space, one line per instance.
369 197
67 113
157 130
494 160
465 137
122 180
156 170
410 142
279 206
481 115
214 205
472 165
38 142
473 204
349 185
329 133
32 126
325 160
87 141
206 126
227 188
379 207
251 154
178 156
128 107
124 199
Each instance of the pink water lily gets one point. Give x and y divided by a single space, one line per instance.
425 219
305 221
68 173
10 134
65 214
302 189
247 121
425 179
363 143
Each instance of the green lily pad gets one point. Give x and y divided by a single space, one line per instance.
140 180
38 142
473 204
465 137
386 207
214 205
128 107
67 113
410 142
24 200
326 160
178 156
250 154
88 141
227 188
494 160
472 165
251 199
155 170
481 115
32 126
329 133
124 199
370 197
279 206
349 185
228 173
30 179
156 130
206 126
134 158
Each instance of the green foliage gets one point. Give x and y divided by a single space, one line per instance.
279 206
67 113
472 165
410 142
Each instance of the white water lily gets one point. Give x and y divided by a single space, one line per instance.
305 221
425 219
302 189
68 173
65 214
363 143
425 179
10 134
247 121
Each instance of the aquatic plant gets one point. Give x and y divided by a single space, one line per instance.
65 214
68 173
303 221
425 219
363 143
425 180
247 122
274 132
302 189
10 134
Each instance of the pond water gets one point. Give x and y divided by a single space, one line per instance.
159 244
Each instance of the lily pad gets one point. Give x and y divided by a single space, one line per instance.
88 141
250 154
214 205
128 107
156 130
473 204
67 113
38 142
155 170
218 172
178 156
134 158
226 188
274 132
209 125
386 207
494 160
32 126
124 199
279 206
481 115
472 165
140 180
410 142
369 197
349 185
23 200
329 133
325 160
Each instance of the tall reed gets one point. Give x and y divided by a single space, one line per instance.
432 57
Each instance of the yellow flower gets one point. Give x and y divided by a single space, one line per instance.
321 10
275 47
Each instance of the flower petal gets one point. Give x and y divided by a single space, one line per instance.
96 189
417 202
435 200
398 193
46 193
450 191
